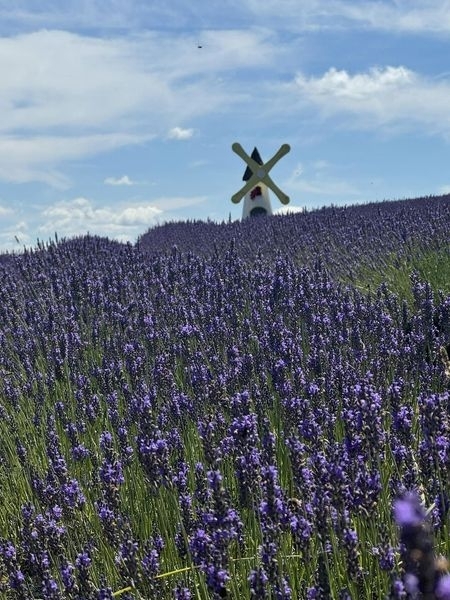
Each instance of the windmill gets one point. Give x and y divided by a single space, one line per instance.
258 182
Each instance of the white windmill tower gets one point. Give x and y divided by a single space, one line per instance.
258 182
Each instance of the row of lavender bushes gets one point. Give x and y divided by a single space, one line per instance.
226 420
352 241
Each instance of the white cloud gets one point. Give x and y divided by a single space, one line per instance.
343 86
14 237
178 133
5 210
427 16
33 158
317 179
116 14
201 162
289 209
390 96
81 215
319 186
57 79
60 89
414 16
124 180
137 215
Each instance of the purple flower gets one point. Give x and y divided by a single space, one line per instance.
50 589
199 545
258 581
104 592
106 440
181 593
79 452
398 591
150 563
216 580
411 583
387 559
67 576
408 510
72 496
16 579
111 473
442 590
83 560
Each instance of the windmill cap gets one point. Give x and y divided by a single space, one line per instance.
257 158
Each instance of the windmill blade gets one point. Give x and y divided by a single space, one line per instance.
285 148
283 198
253 165
239 150
237 197
260 173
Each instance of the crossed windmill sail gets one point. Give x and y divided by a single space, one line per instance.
259 173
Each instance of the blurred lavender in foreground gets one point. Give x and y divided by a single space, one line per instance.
425 576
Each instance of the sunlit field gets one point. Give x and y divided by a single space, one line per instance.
229 411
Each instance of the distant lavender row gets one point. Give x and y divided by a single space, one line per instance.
344 238
209 426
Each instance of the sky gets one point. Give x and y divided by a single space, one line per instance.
119 115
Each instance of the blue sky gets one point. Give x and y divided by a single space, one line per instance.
114 120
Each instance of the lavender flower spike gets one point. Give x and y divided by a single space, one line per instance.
409 511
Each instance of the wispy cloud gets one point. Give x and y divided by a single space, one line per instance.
60 89
75 217
289 209
124 180
331 186
126 222
410 16
118 15
5 210
416 16
14 236
392 97
318 180
178 133
33 158
444 189
130 83
201 162
174 203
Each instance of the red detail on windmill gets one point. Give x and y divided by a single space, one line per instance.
255 192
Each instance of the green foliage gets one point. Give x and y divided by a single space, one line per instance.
395 270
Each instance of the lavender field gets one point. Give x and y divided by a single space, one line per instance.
230 411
